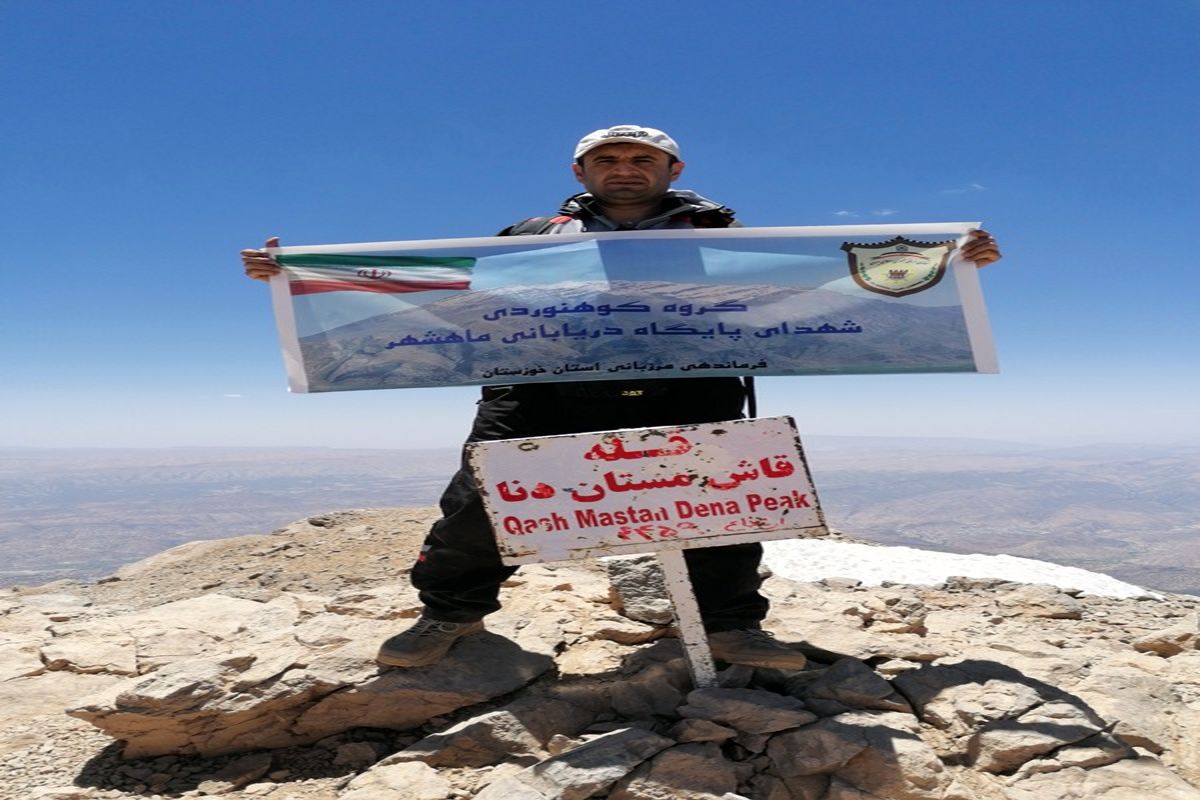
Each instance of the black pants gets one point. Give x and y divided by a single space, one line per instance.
459 571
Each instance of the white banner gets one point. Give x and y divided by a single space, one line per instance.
866 299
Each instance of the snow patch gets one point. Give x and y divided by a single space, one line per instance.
809 560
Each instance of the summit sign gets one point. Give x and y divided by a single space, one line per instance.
556 498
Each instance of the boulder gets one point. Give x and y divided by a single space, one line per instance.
583 771
1171 640
410 780
210 706
683 772
747 710
640 588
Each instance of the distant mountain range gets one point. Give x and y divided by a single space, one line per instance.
1130 512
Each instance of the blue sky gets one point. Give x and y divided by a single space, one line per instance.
144 143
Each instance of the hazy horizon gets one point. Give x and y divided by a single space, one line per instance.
1132 511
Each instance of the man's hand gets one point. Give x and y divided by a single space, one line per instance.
981 248
258 264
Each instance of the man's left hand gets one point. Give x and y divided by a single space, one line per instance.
981 248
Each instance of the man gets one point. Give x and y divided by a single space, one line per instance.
627 172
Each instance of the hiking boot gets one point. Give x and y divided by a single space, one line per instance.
754 648
426 642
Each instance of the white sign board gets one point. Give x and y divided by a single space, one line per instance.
556 498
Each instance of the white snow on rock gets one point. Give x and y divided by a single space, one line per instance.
808 560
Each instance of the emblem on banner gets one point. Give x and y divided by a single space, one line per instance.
898 266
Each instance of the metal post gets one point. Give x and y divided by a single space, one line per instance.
687 619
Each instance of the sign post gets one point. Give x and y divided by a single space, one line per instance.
687 619
660 490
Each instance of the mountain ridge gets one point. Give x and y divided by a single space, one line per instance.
240 667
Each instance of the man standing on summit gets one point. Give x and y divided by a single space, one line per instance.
627 172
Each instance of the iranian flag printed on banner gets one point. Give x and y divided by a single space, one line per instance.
312 274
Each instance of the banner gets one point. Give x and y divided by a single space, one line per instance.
838 300
554 498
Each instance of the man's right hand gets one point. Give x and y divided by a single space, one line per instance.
259 265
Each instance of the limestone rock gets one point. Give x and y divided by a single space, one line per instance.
959 698
848 684
477 742
747 710
20 657
820 748
212 706
408 780
1131 692
391 602
1132 779
640 589
268 688
1095 751
896 762
700 730
684 772
1004 745
1048 602
55 603
1172 640
238 773
582 772
652 681
115 653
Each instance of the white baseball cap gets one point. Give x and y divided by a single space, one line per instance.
651 137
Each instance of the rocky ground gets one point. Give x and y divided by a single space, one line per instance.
242 668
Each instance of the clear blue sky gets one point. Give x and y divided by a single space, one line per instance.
144 143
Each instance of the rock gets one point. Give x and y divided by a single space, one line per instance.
591 658
841 583
849 684
1172 640
20 657
1131 692
747 710
640 589
213 706
114 653
890 613
237 773
582 772
390 602
615 628
1132 779
1004 745
547 717
1095 751
700 730
959 698
62 793
1047 602
356 754
895 762
684 772
476 742
1014 696
820 748
55 604
832 629
408 780
652 681
477 669
766 786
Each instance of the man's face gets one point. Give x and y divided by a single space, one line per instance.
624 173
